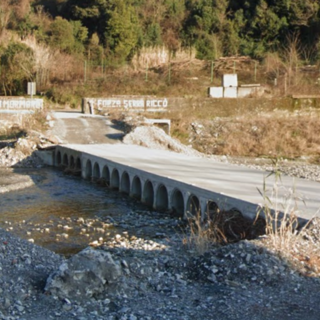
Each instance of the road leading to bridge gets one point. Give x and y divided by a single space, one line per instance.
75 127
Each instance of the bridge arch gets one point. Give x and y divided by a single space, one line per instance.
106 175
177 202
125 183
96 171
115 179
78 164
72 163
211 210
88 170
58 158
65 161
148 193
162 198
193 206
136 188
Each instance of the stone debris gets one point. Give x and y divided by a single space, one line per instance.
14 157
155 138
83 275
20 153
244 264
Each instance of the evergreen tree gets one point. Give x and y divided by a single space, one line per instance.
121 33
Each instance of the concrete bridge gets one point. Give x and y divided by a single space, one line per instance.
187 185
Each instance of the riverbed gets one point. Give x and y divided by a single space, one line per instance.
60 212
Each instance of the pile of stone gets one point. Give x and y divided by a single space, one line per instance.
244 264
20 153
155 138
15 157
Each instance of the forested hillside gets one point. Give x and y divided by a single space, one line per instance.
214 27
41 39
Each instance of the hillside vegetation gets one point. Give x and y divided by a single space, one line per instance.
116 46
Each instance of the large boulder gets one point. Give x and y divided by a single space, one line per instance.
84 275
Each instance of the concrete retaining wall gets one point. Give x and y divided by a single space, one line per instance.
136 103
13 105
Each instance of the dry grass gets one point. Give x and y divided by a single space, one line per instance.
280 211
272 135
36 121
248 127
22 125
220 227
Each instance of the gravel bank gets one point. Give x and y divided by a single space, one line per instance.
161 278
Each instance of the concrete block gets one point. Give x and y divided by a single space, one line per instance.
245 91
47 156
250 90
231 92
216 92
230 80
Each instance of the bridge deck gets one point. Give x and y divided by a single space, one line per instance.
234 181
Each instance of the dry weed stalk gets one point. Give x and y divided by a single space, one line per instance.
203 234
219 227
43 58
280 213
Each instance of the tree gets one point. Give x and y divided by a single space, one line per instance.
121 34
80 35
5 12
94 50
67 36
61 34
17 67
208 47
267 27
206 26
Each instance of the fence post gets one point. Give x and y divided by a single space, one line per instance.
85 71
255 71
285 84
147 72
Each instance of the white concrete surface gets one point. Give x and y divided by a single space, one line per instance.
216 92
73 115
230 92
230 80
207 175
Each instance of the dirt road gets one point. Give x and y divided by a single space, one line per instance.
77 128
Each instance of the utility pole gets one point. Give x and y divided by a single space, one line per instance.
211 79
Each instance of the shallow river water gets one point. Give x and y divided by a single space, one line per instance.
61 213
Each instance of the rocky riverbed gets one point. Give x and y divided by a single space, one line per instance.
160 276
